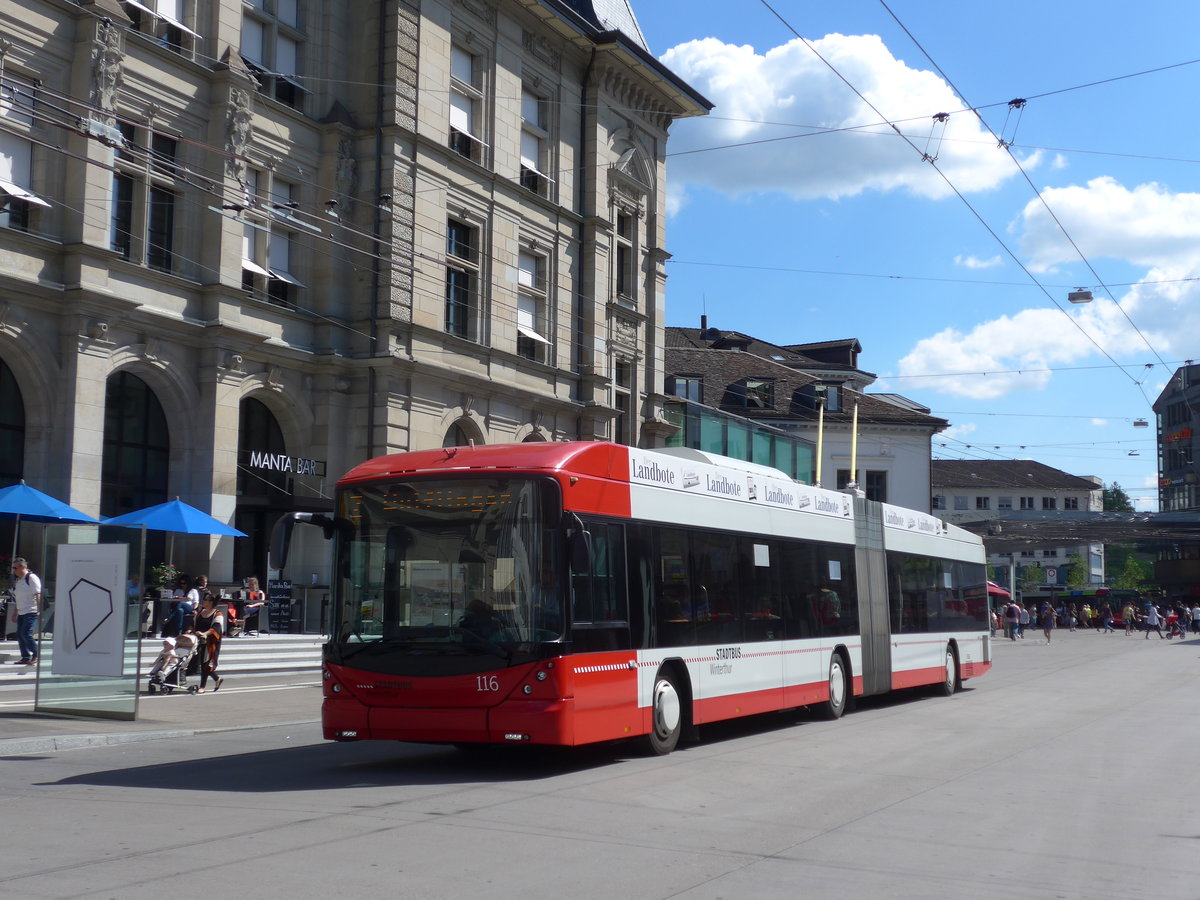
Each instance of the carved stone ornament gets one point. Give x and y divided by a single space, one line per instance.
483 11
540 48
347 170
108 63
152 349
234 362
625 332
239 123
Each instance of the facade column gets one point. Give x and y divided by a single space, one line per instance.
215 457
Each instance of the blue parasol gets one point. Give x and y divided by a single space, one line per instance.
22 501
177 516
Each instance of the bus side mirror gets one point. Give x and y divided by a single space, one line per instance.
281 533
579 545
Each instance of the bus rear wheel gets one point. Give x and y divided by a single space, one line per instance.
667 715
949 683
839 689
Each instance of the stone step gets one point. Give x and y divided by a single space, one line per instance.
257 654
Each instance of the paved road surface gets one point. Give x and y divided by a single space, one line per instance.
1065 773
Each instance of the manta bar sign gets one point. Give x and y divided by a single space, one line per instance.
282 462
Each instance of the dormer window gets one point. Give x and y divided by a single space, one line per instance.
760 394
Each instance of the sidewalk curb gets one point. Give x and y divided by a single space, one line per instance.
54 743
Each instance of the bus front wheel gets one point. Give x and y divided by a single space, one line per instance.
839 687
667 711
949 681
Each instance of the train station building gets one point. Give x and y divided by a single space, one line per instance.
249 245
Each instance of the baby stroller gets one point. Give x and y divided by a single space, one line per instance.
1175 628
169 671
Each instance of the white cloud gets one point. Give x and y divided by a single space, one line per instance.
974 262
1099 422
789 84
1147 226
1059 162
957 432
996 357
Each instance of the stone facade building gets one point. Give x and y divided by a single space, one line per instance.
250 243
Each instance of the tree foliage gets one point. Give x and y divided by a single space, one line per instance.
1077 572
1116 500
1134 576
1030 578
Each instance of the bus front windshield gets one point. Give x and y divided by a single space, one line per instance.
463 567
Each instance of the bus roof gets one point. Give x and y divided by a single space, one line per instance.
598 458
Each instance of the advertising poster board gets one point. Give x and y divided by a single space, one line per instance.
89 609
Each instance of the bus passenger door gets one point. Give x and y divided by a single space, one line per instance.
874 627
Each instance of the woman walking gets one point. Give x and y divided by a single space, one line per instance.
1047 620
210 626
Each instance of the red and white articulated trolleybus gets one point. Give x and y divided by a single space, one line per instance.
569 593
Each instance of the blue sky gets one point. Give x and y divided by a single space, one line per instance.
852 234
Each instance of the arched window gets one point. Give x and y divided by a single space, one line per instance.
263 492
136 447
259 433
457 436
12 428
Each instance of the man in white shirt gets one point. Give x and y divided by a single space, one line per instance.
27 591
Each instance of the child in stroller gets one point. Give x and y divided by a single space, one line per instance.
170 667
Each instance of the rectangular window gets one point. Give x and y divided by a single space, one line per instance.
626 282
466 104
16 152
162 19
623 431
1049 503
459 289
459 240
531 306
1070 503
1049 553
272 46
534 141
162 155
876 486
160 233
282 284
960 502
461 279
760 394
1027 503
689 387
833 398
121 226
983 502
1004 503
939 501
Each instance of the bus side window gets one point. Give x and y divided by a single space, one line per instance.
673 601
600 605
